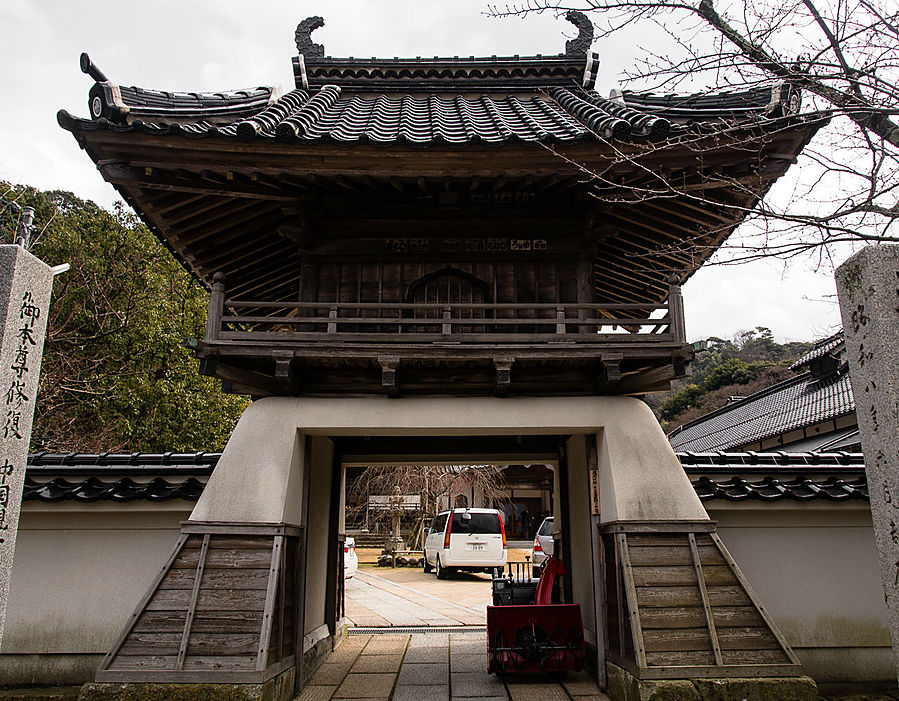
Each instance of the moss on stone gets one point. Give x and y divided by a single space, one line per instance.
171 692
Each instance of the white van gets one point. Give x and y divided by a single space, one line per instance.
470 540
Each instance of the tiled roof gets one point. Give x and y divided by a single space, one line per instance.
789 405
88 477
773 488
780 476
561 114
821 348
125 489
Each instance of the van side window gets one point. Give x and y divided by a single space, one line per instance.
440 523
547 527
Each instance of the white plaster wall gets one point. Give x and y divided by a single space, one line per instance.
814 567
320 503
78 573
261 463
580 522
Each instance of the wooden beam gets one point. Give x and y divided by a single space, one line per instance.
389 365
503 368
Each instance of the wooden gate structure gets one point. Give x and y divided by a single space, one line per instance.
428 230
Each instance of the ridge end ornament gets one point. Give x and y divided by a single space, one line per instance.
303 36
580 45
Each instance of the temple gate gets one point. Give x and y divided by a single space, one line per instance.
478 250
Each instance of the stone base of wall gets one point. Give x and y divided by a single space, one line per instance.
47 669
281 688
623 686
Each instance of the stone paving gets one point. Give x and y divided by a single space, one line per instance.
372 600
432 667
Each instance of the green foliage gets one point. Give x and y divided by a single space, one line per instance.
115 374
727 363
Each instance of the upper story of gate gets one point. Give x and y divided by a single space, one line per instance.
442 226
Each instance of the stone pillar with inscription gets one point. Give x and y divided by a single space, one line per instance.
868 288
25 286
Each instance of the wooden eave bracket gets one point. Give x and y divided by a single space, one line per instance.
388 365
503 366
610 368
285 369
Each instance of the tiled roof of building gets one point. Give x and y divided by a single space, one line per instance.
88 477
777 476
821 348
788 405
456 101
780 475
125 489
564 114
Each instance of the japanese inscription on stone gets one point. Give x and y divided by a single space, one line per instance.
25 286
868 287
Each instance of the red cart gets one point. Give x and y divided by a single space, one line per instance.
537 637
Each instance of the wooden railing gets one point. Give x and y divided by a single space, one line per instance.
403 323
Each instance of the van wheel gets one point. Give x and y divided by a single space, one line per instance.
426 565
442 572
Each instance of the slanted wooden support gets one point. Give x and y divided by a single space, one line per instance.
678 606
222 610
216 308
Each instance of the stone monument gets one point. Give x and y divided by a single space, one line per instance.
868 288
25 286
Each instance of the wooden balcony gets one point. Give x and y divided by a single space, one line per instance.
264 347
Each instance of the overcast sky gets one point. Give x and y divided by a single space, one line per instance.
224 44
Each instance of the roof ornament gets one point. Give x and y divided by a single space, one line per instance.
305 45
580 45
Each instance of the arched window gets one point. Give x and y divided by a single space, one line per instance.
449 286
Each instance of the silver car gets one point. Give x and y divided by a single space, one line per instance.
543 544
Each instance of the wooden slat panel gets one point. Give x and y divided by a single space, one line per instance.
737 616
147 662
222 644
689 596
182 578
232 663
151 644
243 559
664 555
673 555
679 659
760 657
746 638
675 617
728 595
677 639
718 574
160 622
664 576
204 622
656 540
236 600
234 579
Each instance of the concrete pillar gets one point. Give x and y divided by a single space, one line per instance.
868 289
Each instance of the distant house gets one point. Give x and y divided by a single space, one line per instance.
811 412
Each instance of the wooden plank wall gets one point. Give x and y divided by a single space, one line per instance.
678 605
223 609
389 281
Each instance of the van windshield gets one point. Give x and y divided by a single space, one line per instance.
478 523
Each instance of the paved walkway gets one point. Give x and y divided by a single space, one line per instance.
408 597
431 667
